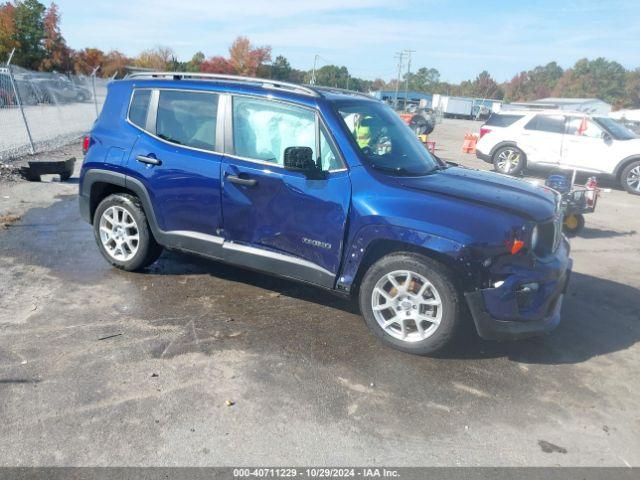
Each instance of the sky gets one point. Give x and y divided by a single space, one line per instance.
459 38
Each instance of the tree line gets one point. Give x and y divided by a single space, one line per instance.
34 31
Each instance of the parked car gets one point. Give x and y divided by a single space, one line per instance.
271 176
28 94
515 140
60 90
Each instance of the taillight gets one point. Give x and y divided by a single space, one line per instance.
86 142
484 131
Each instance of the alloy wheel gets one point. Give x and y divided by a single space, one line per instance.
406 306
508 160
119 233
633 178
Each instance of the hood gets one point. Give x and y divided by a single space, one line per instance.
487 188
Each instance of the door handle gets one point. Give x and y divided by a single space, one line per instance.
248 182
149 160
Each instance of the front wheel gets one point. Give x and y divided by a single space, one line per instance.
630 178
509 160
410 303
123 234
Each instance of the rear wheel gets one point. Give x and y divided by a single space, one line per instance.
123 234
410 302
630 178
509 160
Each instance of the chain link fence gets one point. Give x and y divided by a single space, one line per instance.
43 111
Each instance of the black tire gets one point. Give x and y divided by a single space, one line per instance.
148 249
629 173
573 224
506 150
81 97
443 281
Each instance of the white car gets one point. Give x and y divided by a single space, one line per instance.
517 139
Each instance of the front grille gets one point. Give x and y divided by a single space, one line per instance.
549 236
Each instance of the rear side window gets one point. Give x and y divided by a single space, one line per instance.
139 107
500 120
187 118
546 123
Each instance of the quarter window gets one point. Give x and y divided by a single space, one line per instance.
187 118
546 123
139 107
262 130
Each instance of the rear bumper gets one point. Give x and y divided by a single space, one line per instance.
508 313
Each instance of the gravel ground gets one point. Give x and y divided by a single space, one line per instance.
102 367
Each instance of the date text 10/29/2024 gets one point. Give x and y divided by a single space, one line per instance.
315 473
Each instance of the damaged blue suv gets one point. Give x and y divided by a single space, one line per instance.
326 187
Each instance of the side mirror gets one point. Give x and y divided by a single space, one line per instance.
300 159
606 137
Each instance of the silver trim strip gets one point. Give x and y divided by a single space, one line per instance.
275 256
197 236
248 250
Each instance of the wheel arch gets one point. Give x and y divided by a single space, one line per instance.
374 243
624 163
508 143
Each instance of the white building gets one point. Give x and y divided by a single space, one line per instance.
588 105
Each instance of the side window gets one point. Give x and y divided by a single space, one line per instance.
546 123
583 127
139 107
262 129
187 118
501 120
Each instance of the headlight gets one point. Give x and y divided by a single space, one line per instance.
534 237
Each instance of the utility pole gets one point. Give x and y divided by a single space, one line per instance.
399 56
313 74
406 81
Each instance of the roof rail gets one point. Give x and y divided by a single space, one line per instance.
345 91
266 83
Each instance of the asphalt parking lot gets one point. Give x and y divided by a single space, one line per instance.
197 363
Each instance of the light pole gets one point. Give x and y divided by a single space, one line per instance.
399 56
313 73
406 82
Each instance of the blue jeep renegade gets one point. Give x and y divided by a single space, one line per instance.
326 187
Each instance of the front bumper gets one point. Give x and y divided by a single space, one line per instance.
502 314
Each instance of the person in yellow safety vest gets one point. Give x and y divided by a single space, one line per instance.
363 131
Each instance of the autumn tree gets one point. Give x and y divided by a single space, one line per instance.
245 58
86 60
114 63
194 64
533 84
8 40
159 58
599 78
29 33
58 55
217 64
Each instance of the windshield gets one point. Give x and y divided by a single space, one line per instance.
384 141
616 129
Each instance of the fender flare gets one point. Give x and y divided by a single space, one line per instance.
95 175
622 164
364 239
506 143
